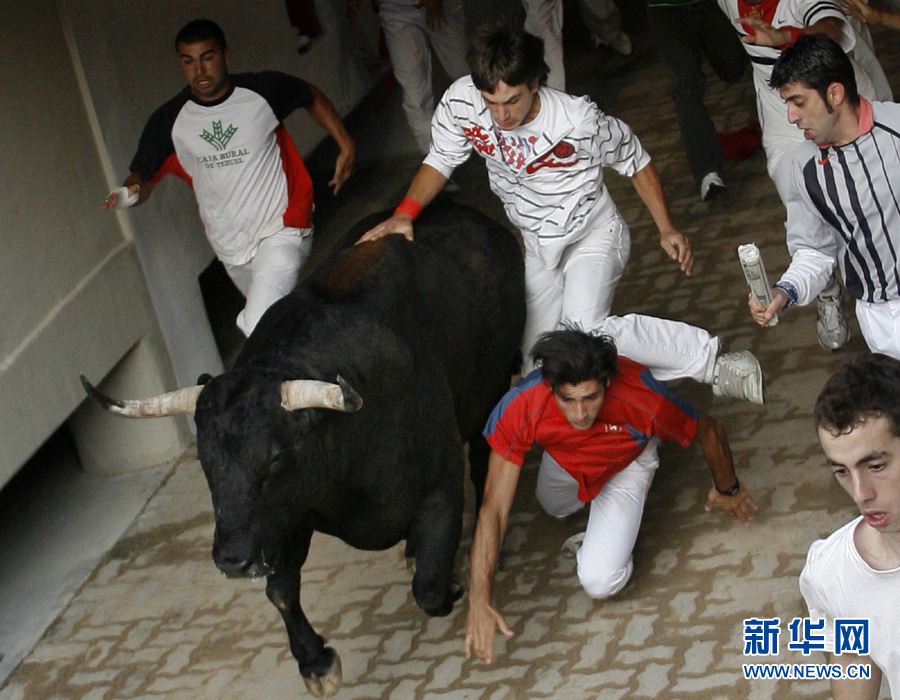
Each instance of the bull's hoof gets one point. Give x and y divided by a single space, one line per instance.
327 684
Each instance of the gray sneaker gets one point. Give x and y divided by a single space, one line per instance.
831 325
573 544
738 374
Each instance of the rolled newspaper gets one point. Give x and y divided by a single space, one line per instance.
755 273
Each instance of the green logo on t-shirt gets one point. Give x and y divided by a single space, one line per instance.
219 138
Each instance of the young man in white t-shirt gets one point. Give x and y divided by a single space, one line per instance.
224 135
545 152
855 572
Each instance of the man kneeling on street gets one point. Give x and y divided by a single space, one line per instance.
599 418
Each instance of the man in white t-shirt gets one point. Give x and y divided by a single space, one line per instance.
545 152
855 573
223 134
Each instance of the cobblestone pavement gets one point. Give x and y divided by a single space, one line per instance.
157 620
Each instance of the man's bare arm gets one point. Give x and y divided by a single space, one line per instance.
324 113
766 35
859 688
483 620
871 15
646 182
425 186
717 454
144 188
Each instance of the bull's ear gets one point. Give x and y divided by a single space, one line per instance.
204 378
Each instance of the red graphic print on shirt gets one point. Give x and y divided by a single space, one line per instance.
480 140
562 156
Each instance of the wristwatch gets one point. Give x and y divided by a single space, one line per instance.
732 491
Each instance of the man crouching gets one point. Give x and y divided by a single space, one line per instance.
599 419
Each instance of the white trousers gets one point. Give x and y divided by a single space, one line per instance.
579 292
270 274
880 326
407 35
605 557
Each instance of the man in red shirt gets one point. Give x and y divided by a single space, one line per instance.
599 419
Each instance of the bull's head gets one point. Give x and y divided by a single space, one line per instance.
244 439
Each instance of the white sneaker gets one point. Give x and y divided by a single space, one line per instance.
712 186
738 374
831 325
573 544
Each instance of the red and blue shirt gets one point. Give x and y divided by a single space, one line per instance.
636 407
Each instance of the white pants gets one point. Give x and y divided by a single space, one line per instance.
270 274
579 292
604 560
407 37
880 326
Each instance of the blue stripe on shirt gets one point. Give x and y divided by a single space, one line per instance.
653 383
533 378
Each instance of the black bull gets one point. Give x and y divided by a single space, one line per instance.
427 334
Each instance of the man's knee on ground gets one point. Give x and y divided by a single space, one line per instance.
599 584
554 507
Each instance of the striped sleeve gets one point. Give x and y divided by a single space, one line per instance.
810 239
618 146
449 146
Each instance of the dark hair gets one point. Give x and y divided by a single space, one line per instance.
498 51
816 61
571 356
864 387
201 30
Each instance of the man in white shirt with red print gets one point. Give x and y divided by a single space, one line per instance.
545 152
223 134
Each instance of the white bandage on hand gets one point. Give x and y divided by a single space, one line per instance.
124 199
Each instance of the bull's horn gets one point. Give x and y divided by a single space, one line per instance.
310 393
170 404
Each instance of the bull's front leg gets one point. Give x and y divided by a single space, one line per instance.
319 665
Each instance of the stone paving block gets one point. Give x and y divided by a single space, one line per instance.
639 628
447 672
653 680
462 694
699 657
629 657
705 683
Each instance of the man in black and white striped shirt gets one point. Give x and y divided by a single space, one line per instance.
844 204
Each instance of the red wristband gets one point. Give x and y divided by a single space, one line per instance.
410 207
795 32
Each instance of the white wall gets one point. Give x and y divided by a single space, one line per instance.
72 295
